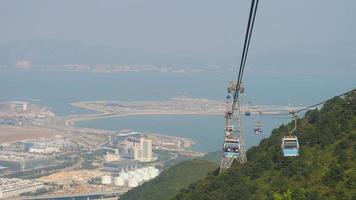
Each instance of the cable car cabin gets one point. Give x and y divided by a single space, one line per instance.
290 146
258 130
231 148
229 128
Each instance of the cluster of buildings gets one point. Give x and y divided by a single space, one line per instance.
14 187
142 148
130 151
33 154
22 161
127 162
23 113
46 146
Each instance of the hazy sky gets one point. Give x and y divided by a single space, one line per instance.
294 27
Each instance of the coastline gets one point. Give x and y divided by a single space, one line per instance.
209 108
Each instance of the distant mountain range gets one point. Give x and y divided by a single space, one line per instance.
54 52
57 52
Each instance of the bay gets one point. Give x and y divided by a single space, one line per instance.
56 89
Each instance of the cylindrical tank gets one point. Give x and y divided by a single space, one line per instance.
106 180
131 173
146 176
133 183
138 177
124 175
146 169
119 181
153 172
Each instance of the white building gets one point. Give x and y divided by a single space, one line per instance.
47 150
24 106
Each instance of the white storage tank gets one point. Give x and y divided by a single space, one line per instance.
156 172
146 176
133 183
131 173
138 177
139 171
119 181
153 172
146 169
106 180
124 175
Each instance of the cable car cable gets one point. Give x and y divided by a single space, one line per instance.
249 29
311 106
249 39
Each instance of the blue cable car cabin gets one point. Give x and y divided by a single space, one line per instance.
231 148
258 130
290 146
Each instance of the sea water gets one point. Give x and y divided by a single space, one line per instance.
56 89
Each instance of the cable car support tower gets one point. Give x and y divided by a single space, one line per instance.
234 142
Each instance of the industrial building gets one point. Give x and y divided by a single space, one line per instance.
123 165
15 187
25 161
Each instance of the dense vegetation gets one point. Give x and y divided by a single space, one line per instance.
326 168
171 181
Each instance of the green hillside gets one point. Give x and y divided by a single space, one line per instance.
325 169
213 157
171 181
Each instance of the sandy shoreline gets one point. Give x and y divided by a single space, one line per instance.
71 122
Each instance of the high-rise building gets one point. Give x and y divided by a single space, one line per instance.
143 152
24 106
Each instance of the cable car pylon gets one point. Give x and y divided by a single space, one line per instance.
234 142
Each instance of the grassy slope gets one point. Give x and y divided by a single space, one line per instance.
171 181
213 157
326 168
